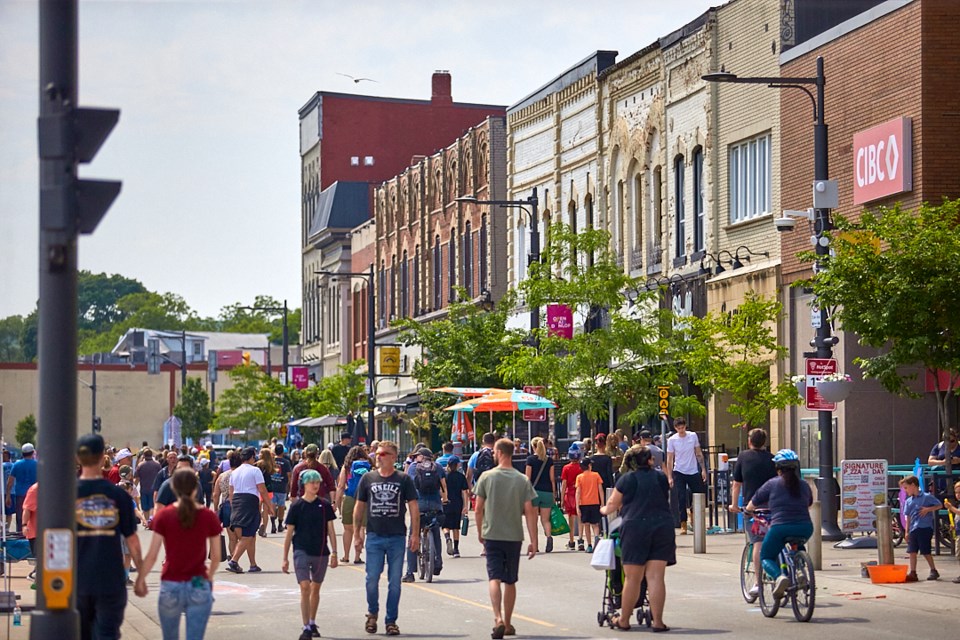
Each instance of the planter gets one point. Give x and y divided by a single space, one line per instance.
801 388
834 390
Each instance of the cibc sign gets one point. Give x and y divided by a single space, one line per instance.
883 161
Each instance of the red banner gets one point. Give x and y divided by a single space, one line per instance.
534 415
560 321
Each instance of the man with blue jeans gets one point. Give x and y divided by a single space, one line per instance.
23 475
383 498
431 486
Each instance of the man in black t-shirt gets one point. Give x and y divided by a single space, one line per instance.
279 482
754 467
383 498
104 516
340 450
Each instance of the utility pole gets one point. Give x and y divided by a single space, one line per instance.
67 136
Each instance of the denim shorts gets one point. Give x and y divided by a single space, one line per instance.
279 499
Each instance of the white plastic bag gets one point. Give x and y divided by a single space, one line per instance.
604 556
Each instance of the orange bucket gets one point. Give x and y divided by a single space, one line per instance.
887 573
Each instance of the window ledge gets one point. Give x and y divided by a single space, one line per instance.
765 217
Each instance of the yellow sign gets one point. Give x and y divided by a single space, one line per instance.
389 361
283 431
663 400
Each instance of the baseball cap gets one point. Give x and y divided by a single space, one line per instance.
27 448
248 454
425 452
204 462
311 450
278 449
91 443
346 434
125 469
646 435
124 453
453 460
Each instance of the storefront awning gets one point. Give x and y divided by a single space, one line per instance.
404 404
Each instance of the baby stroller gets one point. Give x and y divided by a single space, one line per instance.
613 585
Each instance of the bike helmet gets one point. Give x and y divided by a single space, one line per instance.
786 458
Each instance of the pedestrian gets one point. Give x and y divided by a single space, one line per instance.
189 533
172 457
267 467
310 461
540 472
221 502
144 476
383 498
431 484
30 517
248 491
327 460
309 527
589 487
205 476
355 465
457 506
341 449
166 495
444 459
482 459
23 475
685 467
568 493
279 481
9 499
920 510
505 498
104 516
123 458
647 542
754 467
954 508
602 462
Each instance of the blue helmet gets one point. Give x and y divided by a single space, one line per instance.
786 457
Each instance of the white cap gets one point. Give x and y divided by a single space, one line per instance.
27 448
123 453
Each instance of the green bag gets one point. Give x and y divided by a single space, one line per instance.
558 523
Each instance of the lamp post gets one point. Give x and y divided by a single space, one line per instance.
286 340
371 338
531 202
823 341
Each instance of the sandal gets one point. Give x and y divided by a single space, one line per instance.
509 630
345 560
660 629
615 623
392 629
498 631
371 625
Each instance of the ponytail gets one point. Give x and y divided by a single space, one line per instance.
791 479
184 483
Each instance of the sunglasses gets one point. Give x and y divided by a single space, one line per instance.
380 454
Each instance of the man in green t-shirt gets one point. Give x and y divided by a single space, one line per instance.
504 498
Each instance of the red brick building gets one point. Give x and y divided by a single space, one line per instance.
896 60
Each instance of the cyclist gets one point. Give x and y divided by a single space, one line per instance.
788 498
430 480
754 467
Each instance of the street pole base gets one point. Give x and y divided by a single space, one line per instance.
63 624
831 533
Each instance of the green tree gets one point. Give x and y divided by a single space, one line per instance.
242 406
340 393
11 347
194 409
892 281
241 318
150 310
731 353
627 353
27 430
97 297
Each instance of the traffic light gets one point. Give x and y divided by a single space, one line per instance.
245 359
97 425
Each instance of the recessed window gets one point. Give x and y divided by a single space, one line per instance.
750 170
354 161
368 161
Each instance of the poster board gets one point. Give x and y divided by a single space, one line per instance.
863 486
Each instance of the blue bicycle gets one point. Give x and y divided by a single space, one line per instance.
802 590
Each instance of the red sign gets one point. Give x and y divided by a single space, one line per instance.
883 161
300 377
534 415
560 321
816 369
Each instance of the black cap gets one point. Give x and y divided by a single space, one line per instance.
91 443
646 435
278 449
346 434
248 454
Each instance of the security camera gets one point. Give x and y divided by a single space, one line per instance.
786 223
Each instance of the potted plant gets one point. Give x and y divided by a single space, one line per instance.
835 387
801 383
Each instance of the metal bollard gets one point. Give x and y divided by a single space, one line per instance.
884 534
699 523
815 543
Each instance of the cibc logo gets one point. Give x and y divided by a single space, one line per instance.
883 161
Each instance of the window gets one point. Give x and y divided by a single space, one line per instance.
382 295
483 253
354 161
680 229
468 258
588 212
699 221
368 161
437 261
416 281
393 288
656 213
452 264
750 170
405 287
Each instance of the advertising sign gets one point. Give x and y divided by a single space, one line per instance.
560 321
389 361
863 487
816 369
534 415
883 161
300 377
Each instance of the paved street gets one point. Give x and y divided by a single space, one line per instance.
559 597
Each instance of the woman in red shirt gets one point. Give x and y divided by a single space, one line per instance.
187 531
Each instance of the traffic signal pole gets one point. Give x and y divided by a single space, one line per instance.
67 135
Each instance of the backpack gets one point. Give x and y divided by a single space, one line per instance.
357 469
427 479
484 463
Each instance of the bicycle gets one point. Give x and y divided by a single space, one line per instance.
426 560
797 566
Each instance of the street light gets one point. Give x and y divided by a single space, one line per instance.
823 341
531 202
371 339
286 342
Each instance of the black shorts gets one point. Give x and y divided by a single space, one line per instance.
919 541
590 513
503 560
645 540
452 514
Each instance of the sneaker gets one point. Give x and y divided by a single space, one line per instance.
956 580
912 577
754 591
449 546
683 528
314 631
273 526
306 635
580 544
408 578
549 544
254 569
780 587
934 575
281 528
456 554
233 567
571 545
589 548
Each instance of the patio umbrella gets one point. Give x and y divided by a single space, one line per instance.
511 400
468 392
359 430
462 429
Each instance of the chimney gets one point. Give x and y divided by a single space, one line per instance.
441 88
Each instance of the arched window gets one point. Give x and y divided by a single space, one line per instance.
588 214
437 280
416 281
656 212
483 253
382 295
405 287
680 229
699 216
452 263
468 258
393 288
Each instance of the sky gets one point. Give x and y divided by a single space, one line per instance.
207 142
